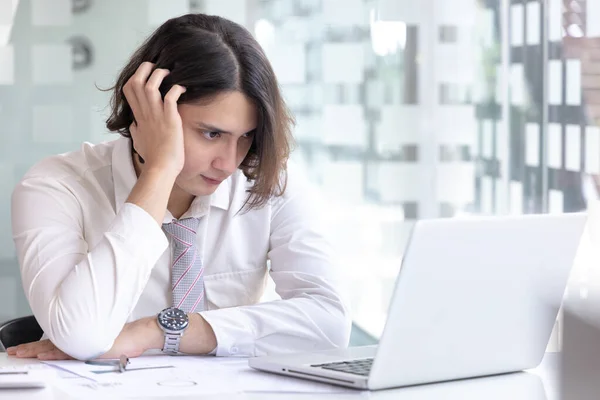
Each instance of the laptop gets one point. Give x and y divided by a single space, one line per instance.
475 296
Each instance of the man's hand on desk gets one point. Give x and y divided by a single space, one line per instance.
135 338
42 349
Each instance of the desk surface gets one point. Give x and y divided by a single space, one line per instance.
539 384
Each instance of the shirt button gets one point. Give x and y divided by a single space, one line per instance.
233 350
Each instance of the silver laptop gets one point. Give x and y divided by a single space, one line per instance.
475 296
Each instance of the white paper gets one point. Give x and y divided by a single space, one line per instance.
190 375
109 372
573 148
533 23
532 144
554 146
573 82
555 82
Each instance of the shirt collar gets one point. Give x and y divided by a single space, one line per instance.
124 179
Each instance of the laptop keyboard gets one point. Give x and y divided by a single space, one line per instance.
356 367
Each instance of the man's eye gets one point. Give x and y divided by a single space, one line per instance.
211 135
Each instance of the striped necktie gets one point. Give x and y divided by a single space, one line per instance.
186 267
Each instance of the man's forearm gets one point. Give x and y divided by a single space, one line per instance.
152 191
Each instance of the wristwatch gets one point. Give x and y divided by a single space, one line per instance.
173 322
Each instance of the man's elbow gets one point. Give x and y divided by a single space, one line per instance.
76 331
82 343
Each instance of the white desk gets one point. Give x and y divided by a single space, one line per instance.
539 385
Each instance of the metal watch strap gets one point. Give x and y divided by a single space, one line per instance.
172 342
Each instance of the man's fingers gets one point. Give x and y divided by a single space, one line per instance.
131 99
156 79
137 84
152 93
55 354
32 349
133 133
133 129
172 97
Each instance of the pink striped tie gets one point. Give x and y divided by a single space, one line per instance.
186 268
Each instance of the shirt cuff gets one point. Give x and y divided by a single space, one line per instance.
233 338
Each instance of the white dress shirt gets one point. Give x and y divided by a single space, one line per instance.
90 262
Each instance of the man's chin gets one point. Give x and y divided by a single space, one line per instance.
200 191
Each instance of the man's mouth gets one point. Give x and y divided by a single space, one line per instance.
211 180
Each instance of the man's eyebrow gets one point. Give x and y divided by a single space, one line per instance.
213 128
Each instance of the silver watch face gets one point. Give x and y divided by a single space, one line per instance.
173 319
